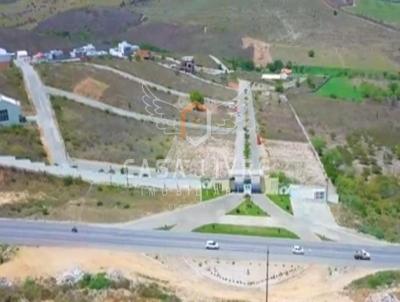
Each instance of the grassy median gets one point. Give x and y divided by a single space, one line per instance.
282 201
231 229
248 208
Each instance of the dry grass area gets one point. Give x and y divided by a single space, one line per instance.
108 87
39 196
209 159
276 120
317 283
295 159
261 51
151 71
91 88
22 142
96 135
336 119
12 85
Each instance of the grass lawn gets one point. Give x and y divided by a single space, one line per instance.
248 208
209 194
283 201
342 88
22 142
40 196
383 10
245 230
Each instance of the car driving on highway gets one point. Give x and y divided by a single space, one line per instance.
297 250
362 255
212 245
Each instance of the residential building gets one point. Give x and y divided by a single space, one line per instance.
22 55
10 111
88 50
123 50
274 76
188 64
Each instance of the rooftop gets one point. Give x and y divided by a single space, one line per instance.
7 99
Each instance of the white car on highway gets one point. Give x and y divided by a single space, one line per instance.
212 245
297 250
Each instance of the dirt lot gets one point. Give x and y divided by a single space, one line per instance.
39 196
295 159
213 158
96 135
121 93
316 283
168 78
261 51
91 88
276 120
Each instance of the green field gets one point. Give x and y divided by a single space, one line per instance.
341 88
283 201
216 228
248 208
381 10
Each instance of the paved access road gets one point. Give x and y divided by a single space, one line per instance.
47 122
35 233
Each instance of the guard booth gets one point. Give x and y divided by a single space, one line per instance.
247 186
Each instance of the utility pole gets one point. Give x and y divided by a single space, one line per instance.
267 278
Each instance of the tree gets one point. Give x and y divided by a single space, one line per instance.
393 88
196 97
319 144
275 66
311 53
279 87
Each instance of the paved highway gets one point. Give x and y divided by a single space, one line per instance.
34 233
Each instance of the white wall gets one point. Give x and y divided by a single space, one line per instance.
14 112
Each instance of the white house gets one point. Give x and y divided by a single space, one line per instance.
22 54
274 76
10 111
123 50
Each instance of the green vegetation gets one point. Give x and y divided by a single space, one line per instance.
43 196
340 87
283 201
383 10
319 144
345 88
241 64
46 289
284 181
152 47
215 228
276 66
97 282
311 53
211 193
7 252
248 208
369 200
385 279
197 97
22 142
